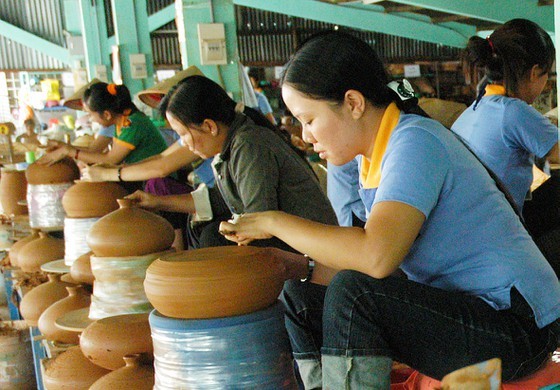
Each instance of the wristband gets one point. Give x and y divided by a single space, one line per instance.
119 169
76 154
310 267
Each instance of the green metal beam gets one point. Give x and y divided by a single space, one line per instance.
360 17
499 11
36 43
155 21
161 18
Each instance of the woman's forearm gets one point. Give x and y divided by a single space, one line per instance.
183 203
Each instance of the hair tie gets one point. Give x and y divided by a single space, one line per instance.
112 89
402 88
240 107
491 45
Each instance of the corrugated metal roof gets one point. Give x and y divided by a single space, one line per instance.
40 17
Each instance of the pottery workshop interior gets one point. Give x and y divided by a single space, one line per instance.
279 194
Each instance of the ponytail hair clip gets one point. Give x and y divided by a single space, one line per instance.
112 89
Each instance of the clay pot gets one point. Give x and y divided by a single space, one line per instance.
71 371
80 270
214 282
130 231
77 299
13 188
40 251
36 301
69 279
106 341
63 171
134 375
92 199
17 246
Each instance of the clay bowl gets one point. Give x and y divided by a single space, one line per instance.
40 298
134 375
64 171
92 199
80 270
18 245
77 298
71 370
13 188
214 282
106 341
40 251
129 231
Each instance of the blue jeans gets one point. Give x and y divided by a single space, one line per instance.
429 329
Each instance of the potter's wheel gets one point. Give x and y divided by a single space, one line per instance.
56 267
75 321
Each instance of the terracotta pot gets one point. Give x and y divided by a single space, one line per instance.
106 341
71 371
69 279
80 270
40 251
130 231
92 199
13 188
17 246
36 301
214 282
77 299
64 171
134 375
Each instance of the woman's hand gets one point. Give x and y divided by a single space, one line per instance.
144 200
55 152
99 172
248 227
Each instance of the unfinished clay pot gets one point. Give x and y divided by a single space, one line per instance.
80 270
36 301
63 171
13 188
130 231
92 199
40 251
134 375
106 341
71 371
214 282
77 298
18 245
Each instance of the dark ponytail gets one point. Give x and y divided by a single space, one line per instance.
115 98
509 53
197 98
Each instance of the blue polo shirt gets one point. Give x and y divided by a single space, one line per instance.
507 134
471 241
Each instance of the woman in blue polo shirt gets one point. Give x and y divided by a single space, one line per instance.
477 287
503 129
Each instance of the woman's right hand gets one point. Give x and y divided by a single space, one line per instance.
144 200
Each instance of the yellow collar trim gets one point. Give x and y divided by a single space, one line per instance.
370 173
495 89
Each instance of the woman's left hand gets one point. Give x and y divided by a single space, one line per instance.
248 227
56 154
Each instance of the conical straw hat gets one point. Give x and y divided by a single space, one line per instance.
153 95
75 101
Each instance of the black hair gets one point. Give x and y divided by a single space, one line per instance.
99 99
197 98
509 53
330 63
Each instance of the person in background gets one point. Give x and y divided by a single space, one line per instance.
136 138
477 286
443 111
29 138
263 104
255 167
503 129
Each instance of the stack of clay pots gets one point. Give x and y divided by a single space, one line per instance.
124 243
217 320
84 203
46 187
